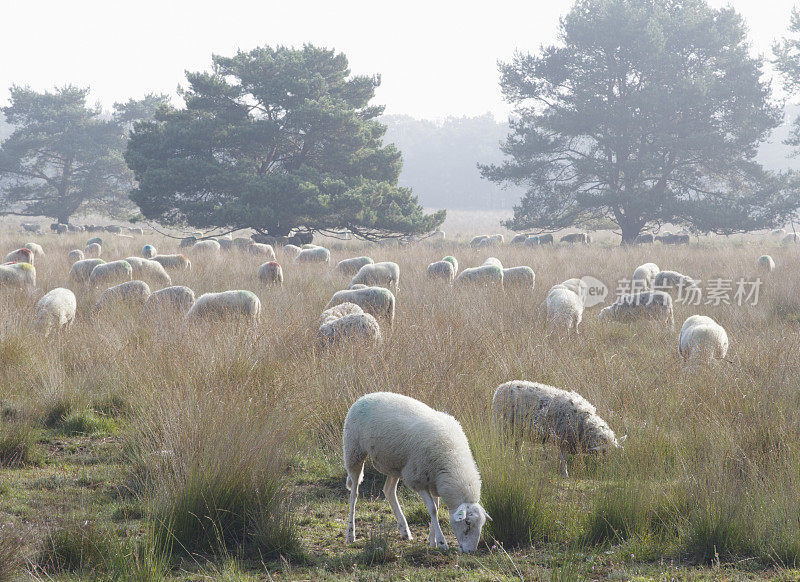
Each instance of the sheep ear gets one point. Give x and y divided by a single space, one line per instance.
460 514
486 515
622 439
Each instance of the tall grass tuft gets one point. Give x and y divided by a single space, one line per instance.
76 547
10 553
18 444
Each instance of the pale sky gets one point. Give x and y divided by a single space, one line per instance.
436 59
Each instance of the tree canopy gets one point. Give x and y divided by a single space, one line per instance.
645 112
275 139
62 157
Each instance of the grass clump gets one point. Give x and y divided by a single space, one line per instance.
87 422
77 548
379 546
18 445
10 553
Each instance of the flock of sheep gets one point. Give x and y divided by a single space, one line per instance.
404 438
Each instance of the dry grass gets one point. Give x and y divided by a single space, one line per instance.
221 418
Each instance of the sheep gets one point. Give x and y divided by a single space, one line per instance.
493 261
149 270
174 262
655 305
19 275
349 267
189 241
790 238
519 239
477 240
497 238
778 233
149 251
291 251
702 339
483 276
438 234
136 230
442 270
22 255
75 255
226 305
530 410
82 270
177 298
338 311
765 263
673 239
131 294
487 242
673 283
31 227
313 255
93 250
270 273
36 249
531 241
546 239
114 229
644 238
576 237
519 278
94 240
644 277
577 286
55 310
205 247
111 273
453 261
242 243
384 274
406 439
353 327
377 301
262 250
564 308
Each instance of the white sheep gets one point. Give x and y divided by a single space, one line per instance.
349 267
18 275
93 250
765 263
338 311
406 439
656 305
483 276
791 238
270 273
644 277
353 327
206 247
111 273
35 248
22 255
673 283
385 274
453 261
493 261
442 270
377 301
519 239
172 299
564 309
291 251
149 270
778 232
226 305
55 310
131 294
75 255
174 262
314 254
477 240
701 339
532 411
262 250
522 278
149 251
82 270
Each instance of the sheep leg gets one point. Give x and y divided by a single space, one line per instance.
353 481
431 533
438 536
563 458
390 492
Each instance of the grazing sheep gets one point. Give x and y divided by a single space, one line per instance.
190 241
519 239
484 276
778 232
519 278
313 255
765 263
270 273
36 249
533 411
564 309
93 250
477 240
442 270
55 310
174 299
114 229
531 241
673 239
136 230
131 294
338 311
791 238
438 235
18 275
377 301
174 262
82 270
206 247
384 274
262 250
673 283
577 286
31 227
75 255
226 305
354 327
701 339
644 238
22 255
576 237
428 450
644 277
493 261
149 251
497 238
291 251
148 270
111 273
94 240
349 267
546 239
655 305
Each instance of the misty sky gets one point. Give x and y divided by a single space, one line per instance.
436 59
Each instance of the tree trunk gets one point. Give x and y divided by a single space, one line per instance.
630 230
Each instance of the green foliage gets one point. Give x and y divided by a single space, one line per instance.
77 547
18 444
645 113
379 546
275 139
87 422
10 553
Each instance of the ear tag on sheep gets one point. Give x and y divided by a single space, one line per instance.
460 514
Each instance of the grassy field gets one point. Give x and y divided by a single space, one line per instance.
137 448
